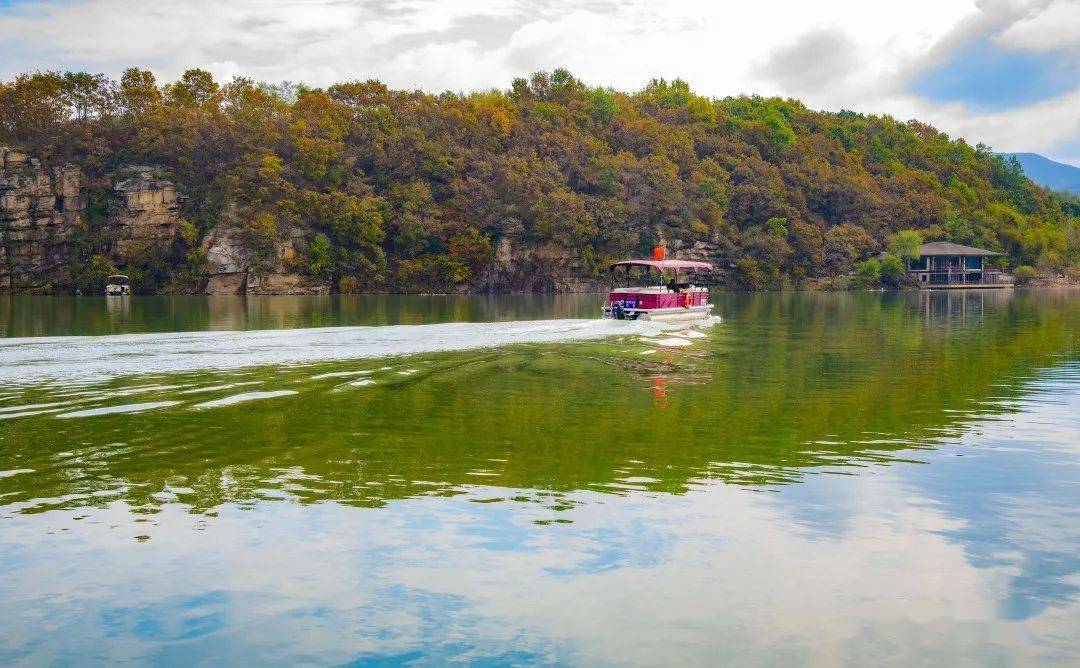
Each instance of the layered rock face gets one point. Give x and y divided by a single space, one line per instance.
39 209
229 263
518 266
41 206
146 211
227 260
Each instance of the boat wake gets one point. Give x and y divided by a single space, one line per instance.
74 360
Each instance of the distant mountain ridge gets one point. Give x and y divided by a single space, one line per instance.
1049 173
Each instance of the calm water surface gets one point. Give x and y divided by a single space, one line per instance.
822 479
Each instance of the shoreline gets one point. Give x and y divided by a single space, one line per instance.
1054 283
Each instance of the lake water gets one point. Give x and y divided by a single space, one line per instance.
859 479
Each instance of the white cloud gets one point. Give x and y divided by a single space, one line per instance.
626 42
1040 127
813 61
456 66
720 48
1047 28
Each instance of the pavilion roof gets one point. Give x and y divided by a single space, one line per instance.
949 248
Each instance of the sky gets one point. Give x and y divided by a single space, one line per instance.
1002 72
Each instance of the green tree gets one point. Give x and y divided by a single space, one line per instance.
777 226
892 271
905 244
33 111
320 262
779 131
196 88
868 274
139 93
602 106
86 94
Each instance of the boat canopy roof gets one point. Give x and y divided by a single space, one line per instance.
663 265
118 277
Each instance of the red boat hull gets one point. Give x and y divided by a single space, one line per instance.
651 304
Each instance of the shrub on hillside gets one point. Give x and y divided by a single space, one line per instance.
867 274
348 285
1024 274
892 271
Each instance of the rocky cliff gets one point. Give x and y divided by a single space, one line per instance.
145 210
44 212
42 208
39 209
517 266
230 268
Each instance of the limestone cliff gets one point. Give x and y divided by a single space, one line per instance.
145 210
519 267
227 261
232 271
39 209
43 211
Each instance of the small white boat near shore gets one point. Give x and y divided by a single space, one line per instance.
117 285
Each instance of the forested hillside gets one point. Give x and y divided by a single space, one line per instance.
364 188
